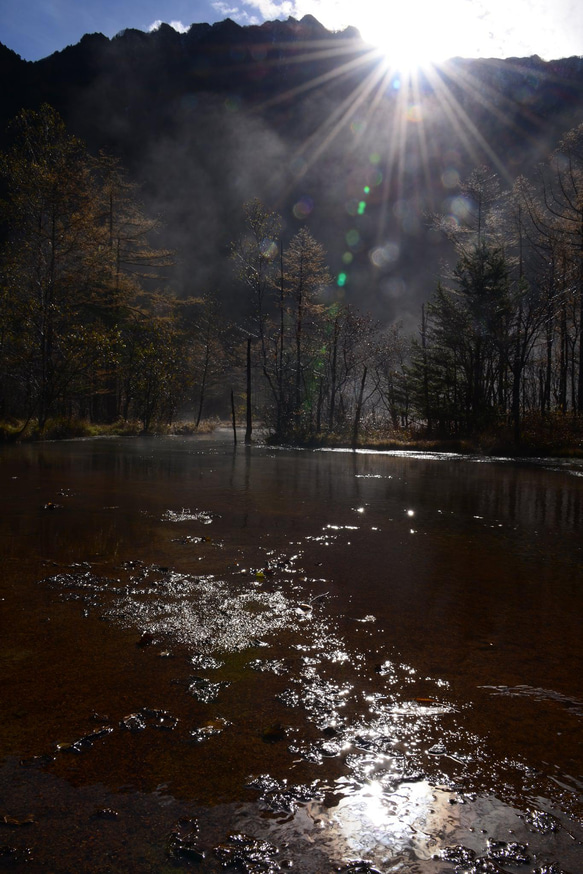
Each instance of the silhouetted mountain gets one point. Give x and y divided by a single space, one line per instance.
312 122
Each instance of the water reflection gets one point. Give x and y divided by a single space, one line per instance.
371 823
376 696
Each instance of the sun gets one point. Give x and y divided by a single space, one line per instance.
413 34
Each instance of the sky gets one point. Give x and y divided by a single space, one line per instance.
413 31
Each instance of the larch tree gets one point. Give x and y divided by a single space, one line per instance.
135 265
306 278
54 260
77 274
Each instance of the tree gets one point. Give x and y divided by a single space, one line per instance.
205 329
284 287
532 297
348 348
468 341
159 379
306 277
391 377
76 273
55 266
254 254
135 265
563 198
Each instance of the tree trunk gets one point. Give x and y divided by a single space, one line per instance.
580 374
319 408
280 401
203 383
299 325
546 406
249 429
358 409
564 362
516 383
425 369
332 410
233 417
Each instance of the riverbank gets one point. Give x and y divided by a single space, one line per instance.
524 449
557 436
15 431
554 436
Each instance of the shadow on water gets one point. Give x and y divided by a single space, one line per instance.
254 659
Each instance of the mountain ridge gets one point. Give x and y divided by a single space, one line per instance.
306 119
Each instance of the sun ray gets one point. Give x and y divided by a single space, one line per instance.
464 124
392 111
422 138
341 116
498 104
336 74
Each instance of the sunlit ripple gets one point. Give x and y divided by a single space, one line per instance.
370 822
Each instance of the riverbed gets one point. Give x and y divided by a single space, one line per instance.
259 659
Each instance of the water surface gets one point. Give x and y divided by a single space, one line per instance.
257 659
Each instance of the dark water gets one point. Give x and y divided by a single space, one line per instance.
258 660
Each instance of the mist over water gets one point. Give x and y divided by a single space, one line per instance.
314 124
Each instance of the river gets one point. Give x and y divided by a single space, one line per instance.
261 659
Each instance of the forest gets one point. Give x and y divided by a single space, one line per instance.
93 339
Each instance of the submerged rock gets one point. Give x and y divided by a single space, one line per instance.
204 690
279 797
458 855
331 748
211 729
182 842
272 666
437 749
106 813
160 718
133 722
359 866
85 742
274 733
149 717
248 854
509 853
205 662
308 751
542 822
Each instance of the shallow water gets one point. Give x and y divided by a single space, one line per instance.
258 659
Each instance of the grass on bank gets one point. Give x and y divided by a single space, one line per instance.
554 435
13 431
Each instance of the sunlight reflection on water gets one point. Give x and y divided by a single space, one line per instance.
385 687
373 823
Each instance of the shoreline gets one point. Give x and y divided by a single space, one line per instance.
454 446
